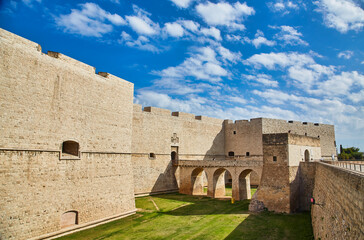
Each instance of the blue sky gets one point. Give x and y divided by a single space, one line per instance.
293 60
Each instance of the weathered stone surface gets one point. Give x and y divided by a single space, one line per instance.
339 209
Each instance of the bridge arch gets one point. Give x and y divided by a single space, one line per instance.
198 181
219 182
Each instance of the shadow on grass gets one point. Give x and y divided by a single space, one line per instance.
201 205
268 225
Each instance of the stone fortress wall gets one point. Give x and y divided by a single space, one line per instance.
339 208
46 100
157 133
122 149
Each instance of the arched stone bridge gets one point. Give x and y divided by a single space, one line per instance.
195 174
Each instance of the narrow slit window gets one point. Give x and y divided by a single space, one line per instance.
152 155
247 154
274 158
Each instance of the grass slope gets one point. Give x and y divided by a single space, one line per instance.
188 217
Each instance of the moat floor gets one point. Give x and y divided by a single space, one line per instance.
177 216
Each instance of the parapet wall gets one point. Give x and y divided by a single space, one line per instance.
338 212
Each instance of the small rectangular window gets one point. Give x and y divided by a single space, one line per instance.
151 156
234 132
274 158
247 154
231 154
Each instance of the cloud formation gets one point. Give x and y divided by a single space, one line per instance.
225 14
91 20
343 15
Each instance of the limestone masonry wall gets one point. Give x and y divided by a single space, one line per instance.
325 132
44 101
160 132
339 212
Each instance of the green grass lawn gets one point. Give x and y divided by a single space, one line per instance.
190 217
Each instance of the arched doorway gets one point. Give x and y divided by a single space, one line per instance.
307 156
69 219
173 155
198 182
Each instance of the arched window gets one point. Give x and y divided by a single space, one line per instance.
307 156
71 148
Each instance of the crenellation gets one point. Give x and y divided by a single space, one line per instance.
157 111
183 115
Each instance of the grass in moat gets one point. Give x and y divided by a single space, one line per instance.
191 217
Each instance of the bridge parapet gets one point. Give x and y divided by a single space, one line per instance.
218 163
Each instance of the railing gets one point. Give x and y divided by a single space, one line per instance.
351 165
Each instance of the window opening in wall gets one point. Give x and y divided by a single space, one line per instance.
307 156
231 154
304 123
71 148
247 154
290 121
274 158
151 155
289 131
234 132
305 134
173 155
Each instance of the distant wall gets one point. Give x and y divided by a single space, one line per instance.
325 132
244 138
340 193
44 101
159 131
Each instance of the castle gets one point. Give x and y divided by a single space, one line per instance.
75 150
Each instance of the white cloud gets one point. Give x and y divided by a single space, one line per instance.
29 3
211 32
224 14
345 54
91 20
273 60
232 37
202 65
141 23
339 84
174 29
182 3
283 7
237 99
343 15
257 42
141 42
264 79
189 25
289 36
357 97
227 55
